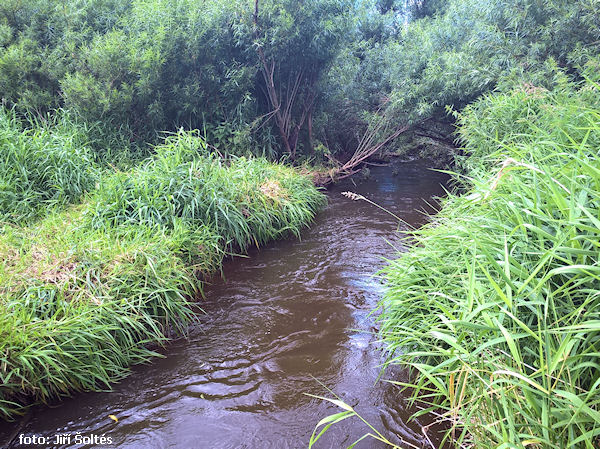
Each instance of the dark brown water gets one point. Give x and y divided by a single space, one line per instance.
293 312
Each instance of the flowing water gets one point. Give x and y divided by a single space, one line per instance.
293 314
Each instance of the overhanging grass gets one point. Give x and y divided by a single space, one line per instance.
85 293
496 309
246 201
78 306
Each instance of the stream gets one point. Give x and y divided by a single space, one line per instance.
293 315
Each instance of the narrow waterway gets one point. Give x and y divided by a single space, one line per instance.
294 312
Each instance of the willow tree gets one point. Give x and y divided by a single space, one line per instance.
403 82
295 42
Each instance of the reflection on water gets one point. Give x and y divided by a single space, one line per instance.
293 312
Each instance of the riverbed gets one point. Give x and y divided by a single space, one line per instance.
292 318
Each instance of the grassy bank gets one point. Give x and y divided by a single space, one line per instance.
89 291
496 309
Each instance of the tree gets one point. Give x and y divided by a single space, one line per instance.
295 42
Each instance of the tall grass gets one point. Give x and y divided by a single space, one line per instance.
43 166
245 201
496 309
78 306
87 292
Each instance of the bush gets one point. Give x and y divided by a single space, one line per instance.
496 309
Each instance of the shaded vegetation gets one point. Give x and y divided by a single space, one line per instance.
139 68
411 72
304 80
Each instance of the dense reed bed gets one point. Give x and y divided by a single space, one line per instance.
44 166
89 291
496 309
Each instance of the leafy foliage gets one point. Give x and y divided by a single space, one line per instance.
78 307
142 67
467 48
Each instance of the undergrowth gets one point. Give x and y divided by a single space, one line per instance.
42 167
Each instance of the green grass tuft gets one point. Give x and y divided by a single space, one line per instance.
45 166
245 201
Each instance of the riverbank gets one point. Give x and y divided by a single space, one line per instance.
273 322
495 309
89 291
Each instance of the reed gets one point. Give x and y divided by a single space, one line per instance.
496 308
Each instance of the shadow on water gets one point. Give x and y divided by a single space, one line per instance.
293 311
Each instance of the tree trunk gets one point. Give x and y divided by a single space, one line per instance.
310 132
268 73
283 104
